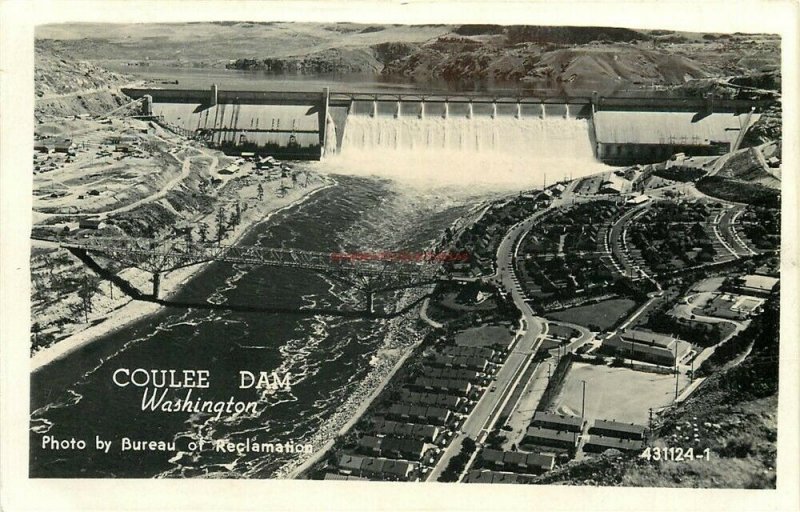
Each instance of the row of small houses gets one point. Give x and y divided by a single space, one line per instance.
401 434
552 433
516 461
562 432
392 447
376 467
487 476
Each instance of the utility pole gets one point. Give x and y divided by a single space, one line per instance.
583 400
631 352
676 365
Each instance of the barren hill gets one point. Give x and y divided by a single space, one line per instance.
65 86
555 57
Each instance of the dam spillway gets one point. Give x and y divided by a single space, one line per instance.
309 125
531 137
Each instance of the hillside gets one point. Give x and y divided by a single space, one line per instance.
66 87
604 59
586 57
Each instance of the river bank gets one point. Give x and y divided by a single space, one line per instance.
387 361
130 310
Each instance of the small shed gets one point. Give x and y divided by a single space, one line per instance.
91 223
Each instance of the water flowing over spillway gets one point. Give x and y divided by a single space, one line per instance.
499 152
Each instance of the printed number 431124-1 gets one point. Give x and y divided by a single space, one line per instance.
674 454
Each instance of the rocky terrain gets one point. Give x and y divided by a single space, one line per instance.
65 86
563 58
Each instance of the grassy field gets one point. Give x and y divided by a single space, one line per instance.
602 315
618 394
485 336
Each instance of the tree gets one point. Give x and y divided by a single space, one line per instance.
86 290
220 225
35 329
203 231
260 191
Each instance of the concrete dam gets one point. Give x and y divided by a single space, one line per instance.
313 125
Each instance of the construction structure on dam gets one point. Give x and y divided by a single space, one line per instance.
311 125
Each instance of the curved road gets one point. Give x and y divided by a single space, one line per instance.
529 338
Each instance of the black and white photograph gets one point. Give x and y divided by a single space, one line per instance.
518 254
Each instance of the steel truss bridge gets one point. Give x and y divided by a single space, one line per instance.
368 272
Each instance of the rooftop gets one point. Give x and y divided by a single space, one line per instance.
548 433
547 417
648 337
614 442
761 283
618 426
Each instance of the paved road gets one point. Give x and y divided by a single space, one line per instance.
685 311
727 228
529 338
618 230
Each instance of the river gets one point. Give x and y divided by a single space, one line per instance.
245 318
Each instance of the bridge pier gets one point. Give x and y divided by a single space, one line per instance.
322 119
156 284
422 110
397 110
543 109
566 113
518 115
213 98
374 108
446 110
494 110
469 112
147 105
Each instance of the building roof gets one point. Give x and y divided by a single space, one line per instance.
486 476
648 337
478 363
616 342
450 373
352 462
618 426
478 476
419 411
540 460
614 442
431 399
337 476
373 465
760 283
491 455
402 445
640 199
547 417
449 384
673 128
548 433
371 442
389 427
397 467
516 458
